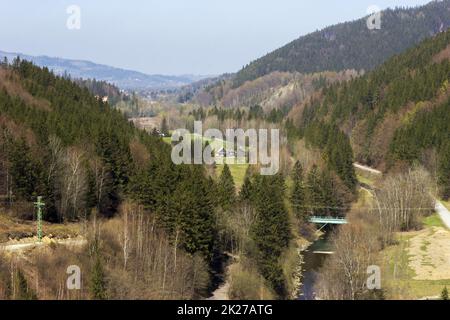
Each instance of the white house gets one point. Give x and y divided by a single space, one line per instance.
225 153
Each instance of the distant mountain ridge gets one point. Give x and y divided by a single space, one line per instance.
124 79
351 45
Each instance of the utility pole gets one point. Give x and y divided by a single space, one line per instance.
39 205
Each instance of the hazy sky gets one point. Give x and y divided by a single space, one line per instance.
171 36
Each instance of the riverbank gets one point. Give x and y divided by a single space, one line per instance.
235 271
303 245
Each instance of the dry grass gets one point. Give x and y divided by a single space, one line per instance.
15 229
370 179
415 267
147 123
247 284
429 252
138 260
9 82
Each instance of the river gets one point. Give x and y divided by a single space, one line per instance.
313 259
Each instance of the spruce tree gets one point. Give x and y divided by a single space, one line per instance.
271 232
246 190
330 201
226 189
190 216
97 287
340 157
249 188
24 171
298 192
314 191
444 172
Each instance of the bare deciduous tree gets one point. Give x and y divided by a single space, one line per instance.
402 201
344 274
73 182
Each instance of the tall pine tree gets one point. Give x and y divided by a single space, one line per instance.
226 189
97 287
444 172
24 170
315 194
271 232
298 192
246 190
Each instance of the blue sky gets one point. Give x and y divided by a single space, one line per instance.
171 36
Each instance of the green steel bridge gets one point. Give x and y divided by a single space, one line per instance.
328 220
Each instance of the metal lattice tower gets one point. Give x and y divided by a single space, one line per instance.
39 205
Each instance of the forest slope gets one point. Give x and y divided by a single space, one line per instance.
397 114
352 45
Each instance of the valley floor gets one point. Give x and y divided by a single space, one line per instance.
417 267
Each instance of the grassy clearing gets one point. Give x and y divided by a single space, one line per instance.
237 171
414 252
11 228
398 276
365 180
433 221
216 144
167 140
365 199
247 284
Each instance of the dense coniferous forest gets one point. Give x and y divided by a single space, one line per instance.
398 112
62 143
103 89
89 163
156 230
352 45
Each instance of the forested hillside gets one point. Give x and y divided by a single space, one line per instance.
399 113
102 89
359 126
352 45
275 91
87 162
153 230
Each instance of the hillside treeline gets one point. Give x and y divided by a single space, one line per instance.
396 114
352 45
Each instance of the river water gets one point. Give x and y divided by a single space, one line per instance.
313 259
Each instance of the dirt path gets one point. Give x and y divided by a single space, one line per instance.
366 168
12 247
443 212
